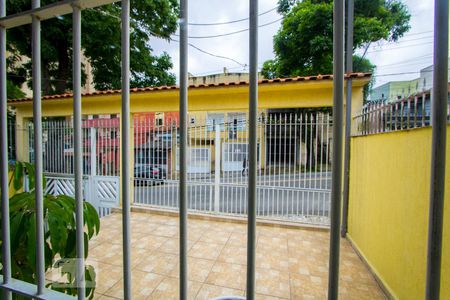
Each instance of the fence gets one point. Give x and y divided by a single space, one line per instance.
407 113
101 163
293 166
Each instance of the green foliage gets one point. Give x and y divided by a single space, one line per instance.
13 91
101 44
60 233
304 44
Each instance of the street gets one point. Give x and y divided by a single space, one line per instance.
303 194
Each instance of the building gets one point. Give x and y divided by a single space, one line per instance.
225 77
395 90
218 115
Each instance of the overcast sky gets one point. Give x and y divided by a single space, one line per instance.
412 53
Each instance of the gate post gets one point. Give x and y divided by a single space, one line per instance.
93 151
90 192
217 163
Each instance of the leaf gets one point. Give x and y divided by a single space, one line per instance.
91 215
21 202
90 281
18 176
86 245
31 243
70 250
16 230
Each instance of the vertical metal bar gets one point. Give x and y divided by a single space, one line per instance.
217 145
125 16
252 150
348 114
423 109
338 105
439 135
415 111
37 117
183 147
78 151
6 243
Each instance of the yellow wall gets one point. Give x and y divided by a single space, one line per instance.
388 209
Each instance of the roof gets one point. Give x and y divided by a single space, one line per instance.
197 86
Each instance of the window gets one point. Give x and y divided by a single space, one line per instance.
237 120
159 119
213 119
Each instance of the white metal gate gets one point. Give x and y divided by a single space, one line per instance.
101 181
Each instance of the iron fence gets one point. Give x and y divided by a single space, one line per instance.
100 146
407 113
293 166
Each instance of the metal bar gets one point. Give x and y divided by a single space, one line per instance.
49 11
338 106
423 109
6 242
125 17
252 149
37 117
415 111
439 135
29 290
78 151
183 148
348 114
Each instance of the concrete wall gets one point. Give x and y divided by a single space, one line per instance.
388 210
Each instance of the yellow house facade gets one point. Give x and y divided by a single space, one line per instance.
230 99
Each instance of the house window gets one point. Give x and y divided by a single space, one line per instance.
159 119
213 119
237 121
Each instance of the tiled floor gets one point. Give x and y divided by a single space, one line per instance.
290 263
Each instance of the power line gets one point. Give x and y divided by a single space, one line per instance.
380 50
402 73
408 61
403 41
230 33
418 33
212 54
230 22
192 45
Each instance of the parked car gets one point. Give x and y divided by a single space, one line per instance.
148 174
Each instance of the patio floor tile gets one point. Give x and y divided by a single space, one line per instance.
290 263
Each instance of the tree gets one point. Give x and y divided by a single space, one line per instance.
101 45
13 91
304 44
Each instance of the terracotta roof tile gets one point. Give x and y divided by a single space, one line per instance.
137 90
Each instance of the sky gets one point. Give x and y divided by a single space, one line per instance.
404 58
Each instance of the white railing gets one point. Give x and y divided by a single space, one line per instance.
407 113
294 166
100 145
